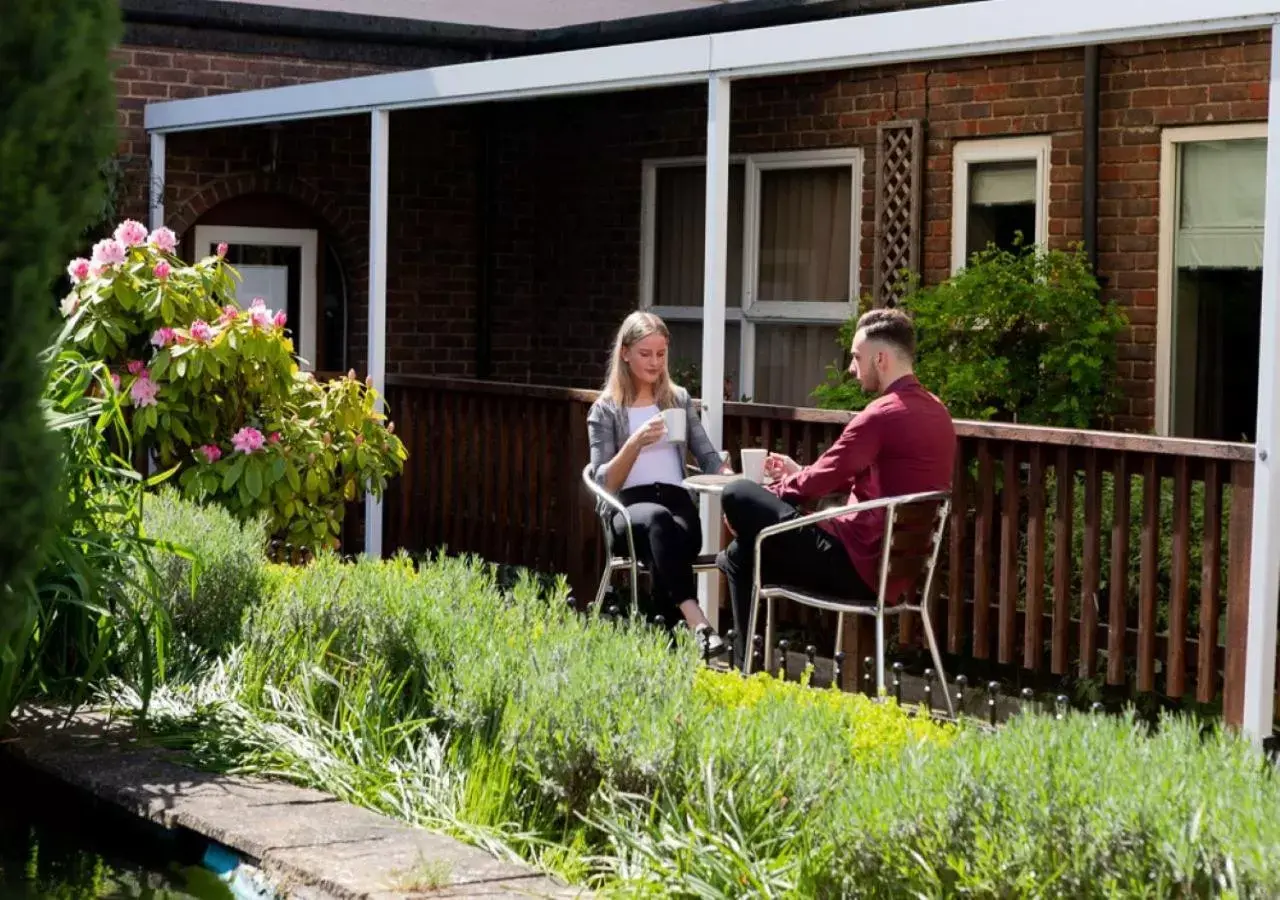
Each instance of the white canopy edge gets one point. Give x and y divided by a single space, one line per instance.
945 32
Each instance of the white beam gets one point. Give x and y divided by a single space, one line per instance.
379 140
155 183
714 265
932 33
1264 560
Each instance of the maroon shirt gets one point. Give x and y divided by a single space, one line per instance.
903 443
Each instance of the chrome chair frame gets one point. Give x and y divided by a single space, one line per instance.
878 610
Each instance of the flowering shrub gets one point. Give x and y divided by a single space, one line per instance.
215 393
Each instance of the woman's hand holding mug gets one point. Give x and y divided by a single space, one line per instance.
649 433
779 465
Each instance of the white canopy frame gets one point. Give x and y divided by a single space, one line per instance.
963 30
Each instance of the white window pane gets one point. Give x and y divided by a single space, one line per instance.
1002 183
806 234
1221 190
1002 205
680 235
792 360
685 355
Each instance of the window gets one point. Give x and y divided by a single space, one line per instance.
1000 188
282 265
1212 190
792 274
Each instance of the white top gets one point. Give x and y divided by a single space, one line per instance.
659 463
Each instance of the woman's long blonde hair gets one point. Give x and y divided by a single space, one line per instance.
619 386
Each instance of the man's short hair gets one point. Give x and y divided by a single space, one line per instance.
890 326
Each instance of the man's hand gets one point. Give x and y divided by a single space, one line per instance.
779 465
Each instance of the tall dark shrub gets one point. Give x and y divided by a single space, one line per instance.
57 113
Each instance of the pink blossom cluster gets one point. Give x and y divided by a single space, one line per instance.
248 440
113 251
143 391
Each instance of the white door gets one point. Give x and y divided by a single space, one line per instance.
279 265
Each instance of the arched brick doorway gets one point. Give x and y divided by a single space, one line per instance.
289 254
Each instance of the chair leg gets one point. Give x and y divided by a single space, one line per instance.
768 636
605 579
937 657
751 631
880 687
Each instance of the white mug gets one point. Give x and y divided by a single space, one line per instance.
676 423
753 463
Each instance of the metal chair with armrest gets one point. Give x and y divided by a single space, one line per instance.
914 525
610 505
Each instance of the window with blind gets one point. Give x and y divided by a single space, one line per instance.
792 266
1215 306
1000 190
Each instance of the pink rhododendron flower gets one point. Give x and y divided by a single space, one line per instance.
131 233
247 440
210 452
222 250
280 319
78 269
163 337
144 390
229 314
96 270
259 315
275 438
163 239
136 367
69 305
115 381
162 270
108 253
201 333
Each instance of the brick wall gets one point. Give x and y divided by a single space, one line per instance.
567 188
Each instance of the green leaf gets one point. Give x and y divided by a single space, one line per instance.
253 480
233 473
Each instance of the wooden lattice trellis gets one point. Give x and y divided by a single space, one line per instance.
899 184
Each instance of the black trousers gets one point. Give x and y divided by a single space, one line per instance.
668 536
806 558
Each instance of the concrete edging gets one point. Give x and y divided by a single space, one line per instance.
311 845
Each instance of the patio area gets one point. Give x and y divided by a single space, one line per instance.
1145 561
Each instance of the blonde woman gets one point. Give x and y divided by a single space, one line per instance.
635 459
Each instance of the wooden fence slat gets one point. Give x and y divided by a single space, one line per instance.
1147 579
1063 534
1210 585
1091 565
1176 661
982 557
1033 643
1118 615
1239 550
1009 556
503 524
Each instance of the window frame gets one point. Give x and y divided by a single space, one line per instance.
307 240
1171 141
746 311
1037 148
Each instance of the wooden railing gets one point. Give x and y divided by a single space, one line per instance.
1115 557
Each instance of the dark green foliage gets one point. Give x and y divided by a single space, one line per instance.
1017 336
57 114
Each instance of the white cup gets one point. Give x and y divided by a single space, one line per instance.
677 424
753 464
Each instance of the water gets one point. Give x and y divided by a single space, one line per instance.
55 844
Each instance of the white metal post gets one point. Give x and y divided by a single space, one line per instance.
380 137
155 183
1264 560
715 262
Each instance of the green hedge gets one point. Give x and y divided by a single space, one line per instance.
601 752
205 590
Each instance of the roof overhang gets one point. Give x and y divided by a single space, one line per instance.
935 33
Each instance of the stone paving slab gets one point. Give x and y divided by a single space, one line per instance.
310 844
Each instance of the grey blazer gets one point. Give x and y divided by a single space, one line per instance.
608 427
